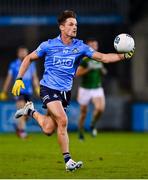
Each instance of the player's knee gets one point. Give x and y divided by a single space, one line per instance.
48 133
97 109
62 126
83 112
100 109
83 115
63 121
49 129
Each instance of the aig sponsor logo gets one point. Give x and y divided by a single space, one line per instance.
63 62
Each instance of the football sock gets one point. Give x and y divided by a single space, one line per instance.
30 112
66 157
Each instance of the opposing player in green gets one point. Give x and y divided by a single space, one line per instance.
90 90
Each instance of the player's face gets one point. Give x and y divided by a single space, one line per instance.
22 53
93 44
69 28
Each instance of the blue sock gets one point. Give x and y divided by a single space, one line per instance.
66 157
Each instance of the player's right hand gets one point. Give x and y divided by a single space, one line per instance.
18 85
3 96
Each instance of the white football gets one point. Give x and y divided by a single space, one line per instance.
124 43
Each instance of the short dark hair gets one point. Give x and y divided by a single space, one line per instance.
22 47
91 39
65 15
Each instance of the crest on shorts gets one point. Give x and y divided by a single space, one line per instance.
55 96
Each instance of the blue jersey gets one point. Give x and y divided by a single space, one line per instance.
27 78
61 62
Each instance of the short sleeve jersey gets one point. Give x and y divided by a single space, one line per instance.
27 78
61 62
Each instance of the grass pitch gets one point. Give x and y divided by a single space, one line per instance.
109 155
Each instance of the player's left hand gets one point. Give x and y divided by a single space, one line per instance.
128 55
17 87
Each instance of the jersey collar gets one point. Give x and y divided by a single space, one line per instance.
59 38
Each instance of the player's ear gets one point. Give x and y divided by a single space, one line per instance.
61 27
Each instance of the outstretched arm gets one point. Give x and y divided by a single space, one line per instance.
112 57
108 58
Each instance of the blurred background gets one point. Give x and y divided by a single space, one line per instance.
29 22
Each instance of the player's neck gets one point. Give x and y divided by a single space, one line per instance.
66 39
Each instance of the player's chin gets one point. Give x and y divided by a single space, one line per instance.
73 35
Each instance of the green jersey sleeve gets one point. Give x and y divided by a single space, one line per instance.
84 62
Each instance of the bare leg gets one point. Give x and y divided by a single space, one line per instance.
21 122
58 114
83 113
99 106
47 124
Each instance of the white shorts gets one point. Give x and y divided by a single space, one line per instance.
85 95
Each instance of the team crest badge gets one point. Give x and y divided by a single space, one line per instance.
75 50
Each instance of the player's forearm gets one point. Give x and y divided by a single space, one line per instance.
24 66
112 57
108 58
7 83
